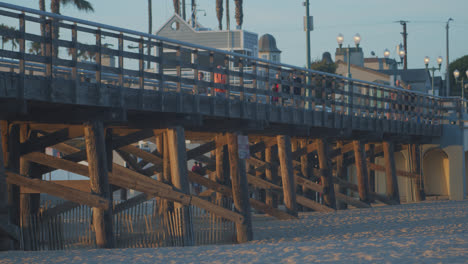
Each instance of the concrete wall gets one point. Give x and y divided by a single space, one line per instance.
444 173
436 172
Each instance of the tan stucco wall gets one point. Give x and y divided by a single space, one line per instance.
444 170
375 65
361 74
436 171
456 168
403 183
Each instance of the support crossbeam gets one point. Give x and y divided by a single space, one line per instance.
58 190
129 179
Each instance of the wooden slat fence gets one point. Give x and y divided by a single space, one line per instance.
137 227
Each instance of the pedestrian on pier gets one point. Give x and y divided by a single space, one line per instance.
220 78
202 90
297 87
275 88
286 89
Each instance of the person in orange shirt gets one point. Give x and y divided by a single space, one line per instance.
221 79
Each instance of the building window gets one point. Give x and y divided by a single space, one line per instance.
275 58
175 25
265 57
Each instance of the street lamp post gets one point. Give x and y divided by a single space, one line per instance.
349 87
433 69
456 74
401 53
357 40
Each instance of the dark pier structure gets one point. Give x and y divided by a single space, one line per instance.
290 145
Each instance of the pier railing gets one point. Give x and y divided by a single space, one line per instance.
110 58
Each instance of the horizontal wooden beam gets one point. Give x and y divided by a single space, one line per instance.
312 204
57 190
126 178
151 158
309 184
37 144
270 210
354 187
65 148
377 167
80 185
51 128
59 209
351 201
194 177
137 199
200 150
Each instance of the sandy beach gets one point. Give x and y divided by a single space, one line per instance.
428 232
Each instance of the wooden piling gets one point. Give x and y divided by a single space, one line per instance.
222 167
4 240
99 181
418 184
390 171
25 198
361 170
370 148
326 174
341 173
179 175
13 166
240 190
287 174
306 169
4 135
165 206
271 174
295 145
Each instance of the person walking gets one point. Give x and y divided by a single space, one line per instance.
220 78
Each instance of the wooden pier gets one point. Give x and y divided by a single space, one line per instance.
88 111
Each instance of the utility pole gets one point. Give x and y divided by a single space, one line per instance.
447 76
405 46
184 15
150 29
307 22
228 23
194 14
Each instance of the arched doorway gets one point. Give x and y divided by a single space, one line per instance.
435 172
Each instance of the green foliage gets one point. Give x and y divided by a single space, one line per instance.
461 64
35 48
7 37
81 5
323 66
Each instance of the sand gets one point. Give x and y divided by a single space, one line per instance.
428 232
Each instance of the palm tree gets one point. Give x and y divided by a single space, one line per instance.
239 13
42 8
228 22
176 6
150 29
82 5
219 13
35 48
5 39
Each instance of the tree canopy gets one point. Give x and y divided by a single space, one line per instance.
323 66
460 64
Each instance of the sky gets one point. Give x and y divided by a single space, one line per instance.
374 20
